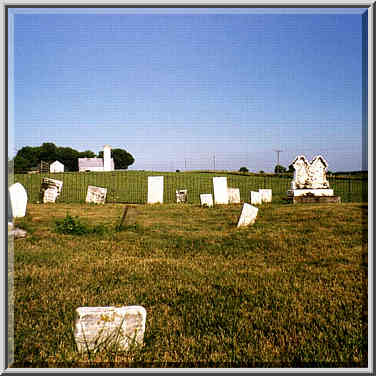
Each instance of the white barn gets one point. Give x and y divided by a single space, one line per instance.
97 164
56 167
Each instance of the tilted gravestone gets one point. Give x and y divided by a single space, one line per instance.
233 195
18 200
266 195
248 215
255 198
50 189
96 195
206 199
220 190
155 189
181 196
97 328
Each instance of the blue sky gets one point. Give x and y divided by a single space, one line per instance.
181 88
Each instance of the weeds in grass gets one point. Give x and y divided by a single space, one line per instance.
74 226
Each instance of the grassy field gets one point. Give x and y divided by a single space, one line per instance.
131 186
289 291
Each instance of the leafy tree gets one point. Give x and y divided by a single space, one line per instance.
291 168
48 152
21 164
279 169
243 169
122 159
262 172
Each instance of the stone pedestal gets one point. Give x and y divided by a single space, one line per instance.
310 192
315 199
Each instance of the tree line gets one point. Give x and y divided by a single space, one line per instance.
29 157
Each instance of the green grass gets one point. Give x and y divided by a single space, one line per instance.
131 186
288 291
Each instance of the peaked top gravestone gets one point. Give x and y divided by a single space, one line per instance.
220 190
309 175
18 200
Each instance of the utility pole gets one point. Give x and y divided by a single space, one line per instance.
278 151
214 161
185 164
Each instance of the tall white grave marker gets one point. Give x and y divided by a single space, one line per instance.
220 190
18 200
256 198
233 195
155 189
266 195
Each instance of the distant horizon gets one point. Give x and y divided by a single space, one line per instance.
192 88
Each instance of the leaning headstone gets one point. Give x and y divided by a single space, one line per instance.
155 189
50 189
233 195
255 198
220 190
266 195
181 196
18 200
206 199
97 328
97 195
248 215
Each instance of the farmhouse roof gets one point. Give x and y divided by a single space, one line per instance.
90 162
57 163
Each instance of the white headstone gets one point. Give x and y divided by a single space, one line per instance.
181 196
97 327
220 190
233 195
18 200
248 215
256 198
96 195
206 199
50 189
266 195
155 189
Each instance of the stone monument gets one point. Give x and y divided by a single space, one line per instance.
309 183
233 195
155 189
206 199
18 200
99 327
248 215
50 189
266 195
256 198
97 195
181 196
220 190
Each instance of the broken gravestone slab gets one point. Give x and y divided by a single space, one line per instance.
181 196
96 195
266 195
17 232
255 198
98 328
206 199
18 200
220 190
50 189
155 189
233 195
248 215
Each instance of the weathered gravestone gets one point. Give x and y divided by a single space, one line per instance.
206 199
220 190
96 195
181 196
255 198
100 327
233 195
310 183
18 200
248 215
155 189
266 195
50 189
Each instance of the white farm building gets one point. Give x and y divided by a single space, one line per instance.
97 164
56 167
